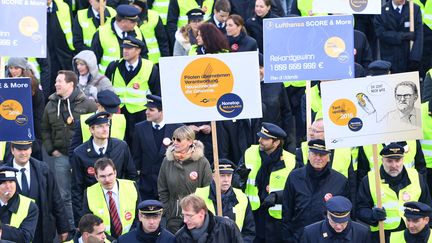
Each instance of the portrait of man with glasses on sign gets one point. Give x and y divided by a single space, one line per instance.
406 94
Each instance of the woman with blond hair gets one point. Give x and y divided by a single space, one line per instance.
183 170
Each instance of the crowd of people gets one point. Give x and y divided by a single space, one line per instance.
105 167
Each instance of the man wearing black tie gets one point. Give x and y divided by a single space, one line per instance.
221 11
36 181
99 145
149 147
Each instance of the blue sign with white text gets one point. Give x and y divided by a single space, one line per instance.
23 32
16 113
308 48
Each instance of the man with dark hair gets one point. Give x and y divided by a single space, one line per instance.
149 148
221 11
266 167
91 229
62 110
114 200
200 225
36 181
100 145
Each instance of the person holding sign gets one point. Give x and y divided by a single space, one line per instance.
266 168
417 216
337 226
398 185
307 190
235 204
392 29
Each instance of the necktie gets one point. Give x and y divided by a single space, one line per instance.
157 126
220 25
24 183
115 219
398 9
49 9
101 151
124 34
130 68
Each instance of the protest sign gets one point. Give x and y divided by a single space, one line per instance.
16 114
210 87
347 7
312 48
372 110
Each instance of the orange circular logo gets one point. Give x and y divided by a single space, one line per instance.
128 216
341 111
10 109
205 80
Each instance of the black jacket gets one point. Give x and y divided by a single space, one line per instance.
365 202
321 232
212 21
303 198
363 52
389 27
278 111
26 230
51 206
148 157
254 26
219 230
137 235
229 201
83 173
243 42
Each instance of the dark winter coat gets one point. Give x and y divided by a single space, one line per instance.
321 232
134 236
254 26
243 42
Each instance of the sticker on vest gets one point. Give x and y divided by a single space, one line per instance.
327 196
136 86
406 24
406 196
193 175
90 171
128 216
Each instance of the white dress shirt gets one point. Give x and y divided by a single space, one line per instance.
19 173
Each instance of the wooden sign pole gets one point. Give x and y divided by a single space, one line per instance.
378 190
216 169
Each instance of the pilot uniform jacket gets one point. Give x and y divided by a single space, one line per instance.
321 232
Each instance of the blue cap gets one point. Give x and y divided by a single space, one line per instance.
226 166
150 207
109 100
132 42
416 210
393 151
318 146
98 118
22 145
127 11
154 101
339 208
270 130
7 173
195 14
379 67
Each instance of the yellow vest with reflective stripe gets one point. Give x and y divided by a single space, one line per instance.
2 150
111 46
393 203
305 6
277 178
65 21
161 6
409 157
148 30
399 237
426 11
341 158
118 126
87 25
426 142
127 199
239 209
299 84
22 212
133 99
186 5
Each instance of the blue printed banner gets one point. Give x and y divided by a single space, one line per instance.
308 48
16 114
24 28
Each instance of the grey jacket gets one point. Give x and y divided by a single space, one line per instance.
177 180
96 82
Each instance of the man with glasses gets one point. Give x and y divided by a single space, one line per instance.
307 189
406 94
149 228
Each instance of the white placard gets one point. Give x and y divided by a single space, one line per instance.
210 87
347 6
372 110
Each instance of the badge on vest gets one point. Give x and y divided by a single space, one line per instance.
193 175
406 197
128 216
136 86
